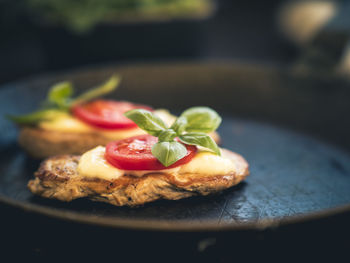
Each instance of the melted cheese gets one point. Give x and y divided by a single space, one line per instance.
93 164
68 123
65 123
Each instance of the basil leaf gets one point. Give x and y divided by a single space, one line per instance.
200 139
34 117
179 125
169 152
59 101
147 121
201 119
59 95
99 91
167 135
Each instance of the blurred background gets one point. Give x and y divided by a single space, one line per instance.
47 35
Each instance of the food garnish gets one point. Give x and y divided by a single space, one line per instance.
190 128
59 100
135 153
106 114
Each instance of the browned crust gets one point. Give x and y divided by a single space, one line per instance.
40 143
57 178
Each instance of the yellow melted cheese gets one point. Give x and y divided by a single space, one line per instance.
93 164
67 123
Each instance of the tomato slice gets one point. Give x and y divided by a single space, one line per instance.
106 114
134 153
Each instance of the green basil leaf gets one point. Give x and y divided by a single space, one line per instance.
200 139
169 152
179 125
60 95
147 121
34 117
201 119
167 135
99 91
59 101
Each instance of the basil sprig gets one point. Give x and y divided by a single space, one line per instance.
59 100
190 128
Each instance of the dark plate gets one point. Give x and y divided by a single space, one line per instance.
291 129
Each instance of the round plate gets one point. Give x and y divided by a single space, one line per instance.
270 117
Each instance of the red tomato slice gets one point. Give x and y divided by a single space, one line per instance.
134 153
106 114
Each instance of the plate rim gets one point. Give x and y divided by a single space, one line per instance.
171 225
